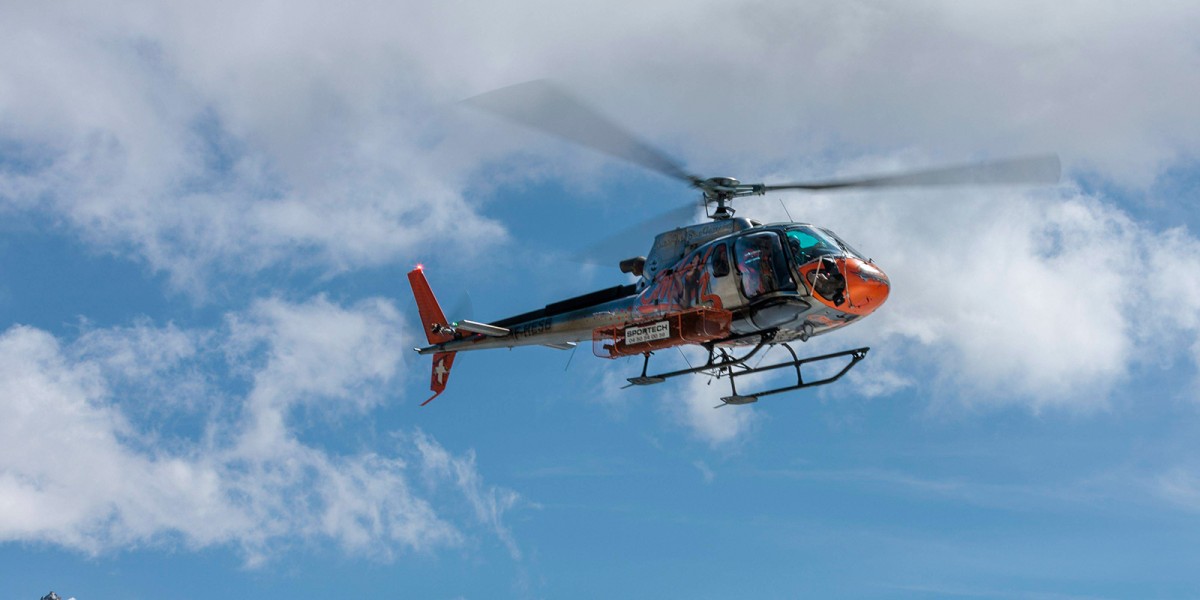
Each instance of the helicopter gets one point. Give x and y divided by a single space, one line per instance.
734 286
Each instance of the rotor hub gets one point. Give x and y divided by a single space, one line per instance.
723 183
720 191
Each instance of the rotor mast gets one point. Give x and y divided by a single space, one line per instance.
721 191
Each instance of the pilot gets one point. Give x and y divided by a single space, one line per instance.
802 255
829 282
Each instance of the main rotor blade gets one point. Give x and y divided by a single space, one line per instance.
541 105
636 239
1044 169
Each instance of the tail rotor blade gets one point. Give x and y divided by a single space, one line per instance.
463 308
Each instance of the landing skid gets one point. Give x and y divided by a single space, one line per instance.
721 363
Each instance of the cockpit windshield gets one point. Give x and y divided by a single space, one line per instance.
809 243
842 243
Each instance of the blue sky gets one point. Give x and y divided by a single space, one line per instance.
206 382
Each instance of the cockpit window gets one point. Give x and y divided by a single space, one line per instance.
809 244
719 261
762 264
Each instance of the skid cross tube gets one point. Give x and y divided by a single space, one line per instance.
855 355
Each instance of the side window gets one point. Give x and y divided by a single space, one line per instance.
762 264
720 261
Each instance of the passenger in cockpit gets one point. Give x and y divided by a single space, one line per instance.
807 245
827 280
756 258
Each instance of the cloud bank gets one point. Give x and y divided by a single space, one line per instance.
87 467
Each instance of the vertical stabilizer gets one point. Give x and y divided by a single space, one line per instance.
432 317
437 330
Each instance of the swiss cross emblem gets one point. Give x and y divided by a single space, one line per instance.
440 371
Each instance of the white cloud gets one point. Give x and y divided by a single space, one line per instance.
1180 487
200 143
488 503
1172 258
317 350
80 470
694 407
687 402
142 360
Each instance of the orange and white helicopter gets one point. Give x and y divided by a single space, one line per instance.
732 285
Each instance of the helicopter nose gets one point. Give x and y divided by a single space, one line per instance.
867 287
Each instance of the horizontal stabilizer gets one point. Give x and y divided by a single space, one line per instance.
562 346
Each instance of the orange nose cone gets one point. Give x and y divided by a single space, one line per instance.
867 287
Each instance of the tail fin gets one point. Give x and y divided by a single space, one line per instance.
427 305
434 322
